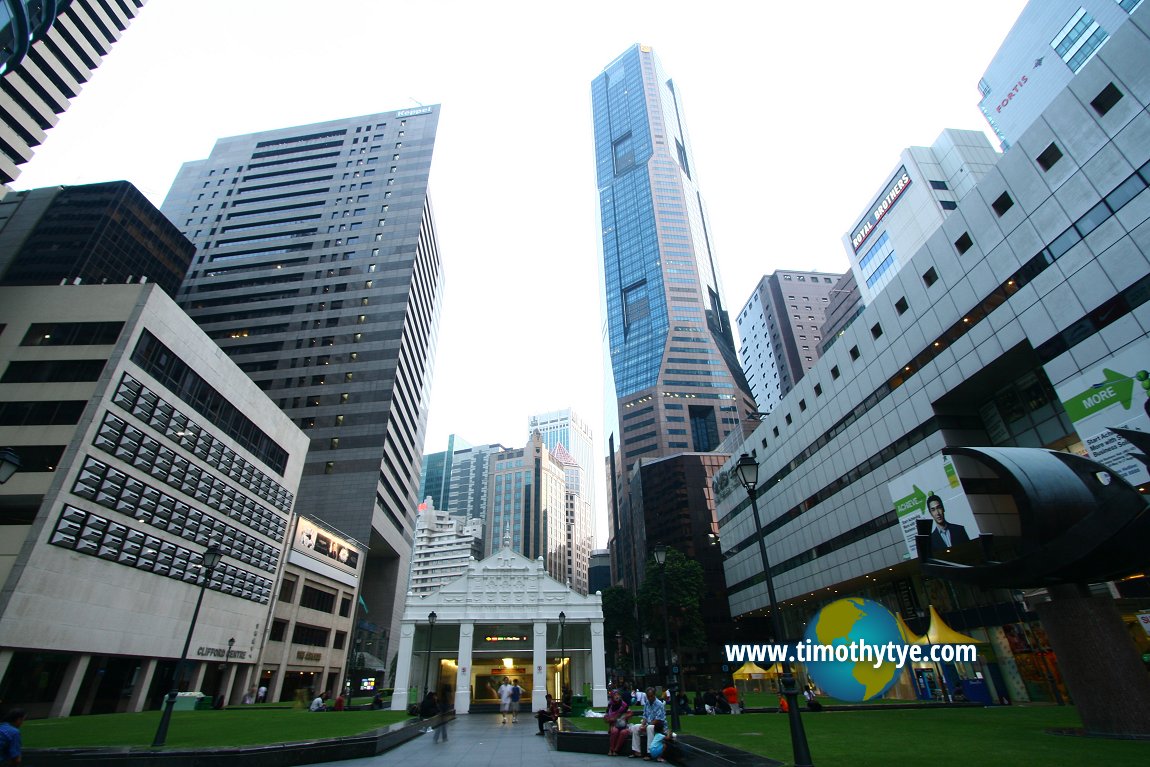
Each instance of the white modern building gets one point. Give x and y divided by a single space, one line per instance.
504 617
916 196
444 545
142 445
1030 291
1051 41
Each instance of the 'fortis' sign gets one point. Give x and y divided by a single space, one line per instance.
880 208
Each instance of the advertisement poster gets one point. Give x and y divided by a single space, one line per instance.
321 545
932 491
1113 392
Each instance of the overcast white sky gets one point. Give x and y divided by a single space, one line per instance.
797 112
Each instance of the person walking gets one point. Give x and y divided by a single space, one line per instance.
516 694
504 694
11 744
653 711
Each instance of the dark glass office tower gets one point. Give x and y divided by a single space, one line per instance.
677 376
317 271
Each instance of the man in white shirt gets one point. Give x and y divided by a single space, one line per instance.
504 693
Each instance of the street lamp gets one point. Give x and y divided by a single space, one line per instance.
562 654
660 552
211 558
431 616
9 464
748 471
227 665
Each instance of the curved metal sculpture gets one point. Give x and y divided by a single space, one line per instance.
1079 522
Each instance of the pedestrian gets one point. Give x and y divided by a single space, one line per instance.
653 711
377 700
262 695
340 702
516 694
249 697
429 708
318 704
550 713
732 696
11 746
504 694
444 709
784 707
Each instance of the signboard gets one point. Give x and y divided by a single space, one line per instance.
1144 622
325 547
1112 392
933 483
880 207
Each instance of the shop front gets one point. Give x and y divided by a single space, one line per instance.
504 617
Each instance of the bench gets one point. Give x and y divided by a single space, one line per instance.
568 737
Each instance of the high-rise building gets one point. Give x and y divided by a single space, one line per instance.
599 571
48 52
845 305
317 271
444 544
94 233
527 504
1048 44
141 446
676 373
780 331
569 437
918 195
435 474
467 488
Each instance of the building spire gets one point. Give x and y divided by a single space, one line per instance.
507 536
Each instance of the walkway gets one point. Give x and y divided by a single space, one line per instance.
479 740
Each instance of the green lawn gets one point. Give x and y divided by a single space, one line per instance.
250 725
942 737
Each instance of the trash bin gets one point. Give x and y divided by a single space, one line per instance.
189 701
579 705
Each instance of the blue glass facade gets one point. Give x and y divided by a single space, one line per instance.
658 269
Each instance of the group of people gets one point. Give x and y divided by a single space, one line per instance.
653 723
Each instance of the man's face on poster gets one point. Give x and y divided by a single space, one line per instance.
937 512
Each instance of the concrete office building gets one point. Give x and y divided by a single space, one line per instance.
93 233
845 305
317 270
444 544
780 331
50 50
676 374
922 190
467 489
570 438
1051 41
1030 290
599 571
141 444
526 502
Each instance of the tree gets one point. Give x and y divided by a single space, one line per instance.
618 617
685 591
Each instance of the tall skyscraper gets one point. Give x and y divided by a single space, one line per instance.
47 53
779 331
569 437
93 233
318 272
467 487
435 475
676 373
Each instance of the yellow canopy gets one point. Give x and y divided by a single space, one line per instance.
750 671
940 633
908 636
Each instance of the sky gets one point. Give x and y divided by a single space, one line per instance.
796 112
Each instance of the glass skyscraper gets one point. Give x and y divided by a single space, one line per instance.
676 373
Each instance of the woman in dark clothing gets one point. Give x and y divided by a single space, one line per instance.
616 717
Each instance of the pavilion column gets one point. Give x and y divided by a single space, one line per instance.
463 678
598 666
139 698
403 667
539 668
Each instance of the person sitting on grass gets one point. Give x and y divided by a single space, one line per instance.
656 746
318 704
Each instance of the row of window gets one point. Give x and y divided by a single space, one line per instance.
116 490
91 534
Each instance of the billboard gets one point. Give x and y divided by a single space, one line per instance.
322 545
1112 392
933 491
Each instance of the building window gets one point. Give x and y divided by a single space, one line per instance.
938 185
930 276
279 627
314 599
948 204
855 353
1002 204
835 372
287 591
876 330
1106 99
963 243
1049 156
901 305
345 607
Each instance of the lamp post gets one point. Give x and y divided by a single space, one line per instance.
431 616
660 553
9 464
227 665
562 654
748 470
211 558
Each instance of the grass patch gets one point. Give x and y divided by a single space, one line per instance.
248 726
946 737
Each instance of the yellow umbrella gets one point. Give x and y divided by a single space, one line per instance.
940 633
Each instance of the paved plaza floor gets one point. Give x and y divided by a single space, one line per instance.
479 740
